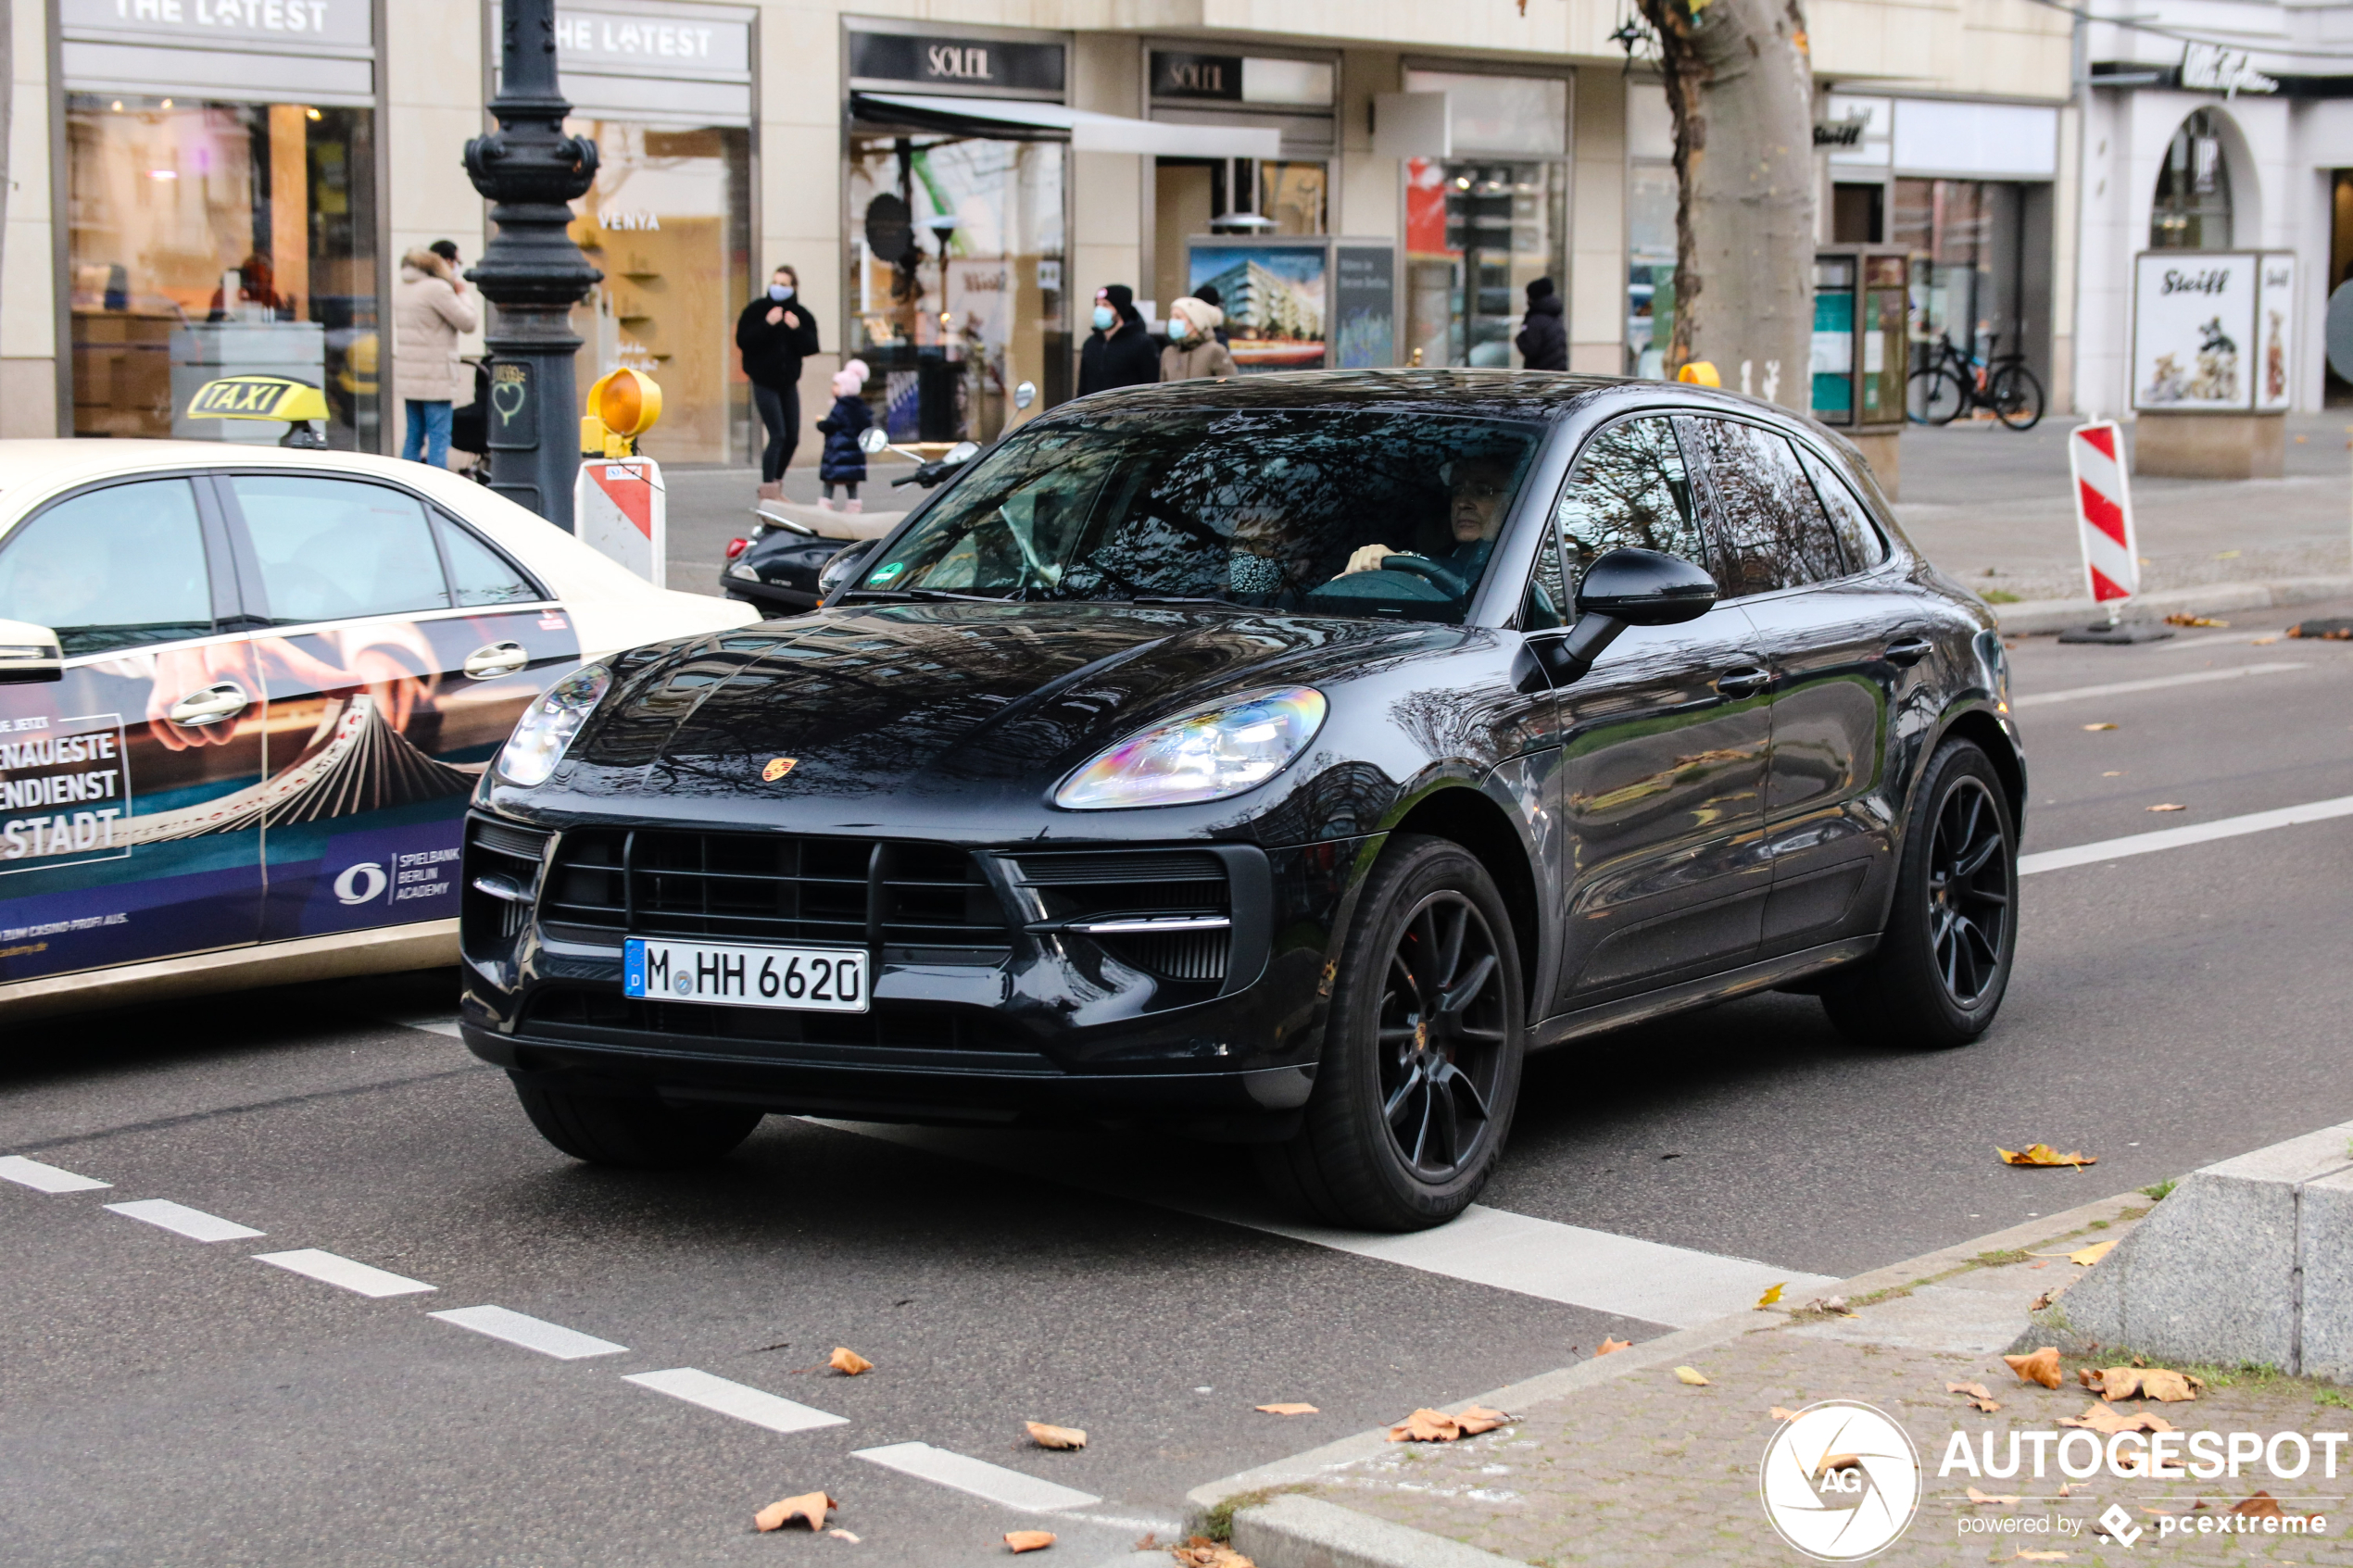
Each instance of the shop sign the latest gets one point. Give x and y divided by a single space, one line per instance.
664 45
340 23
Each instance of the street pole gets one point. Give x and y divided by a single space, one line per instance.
531 272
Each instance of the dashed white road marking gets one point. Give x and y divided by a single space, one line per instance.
2119 688
431 1025
994 1482
44 1178
532 1334
2176 838
740 1400
364 1278
194 1223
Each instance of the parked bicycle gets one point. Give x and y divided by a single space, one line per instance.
1952 384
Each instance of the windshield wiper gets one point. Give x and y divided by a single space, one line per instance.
926 594
1180 600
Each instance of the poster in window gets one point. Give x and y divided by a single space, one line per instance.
2275 332
1364 306
2194 346
1274 296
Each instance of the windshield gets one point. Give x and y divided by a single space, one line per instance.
1339 512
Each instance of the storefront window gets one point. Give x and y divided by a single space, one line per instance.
2192 211
669 224
1650 267
955 261
1963 272
1482 227
207 239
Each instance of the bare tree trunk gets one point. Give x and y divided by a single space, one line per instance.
1740 85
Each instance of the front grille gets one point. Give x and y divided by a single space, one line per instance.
567 1010
1084 887
762 887
498 855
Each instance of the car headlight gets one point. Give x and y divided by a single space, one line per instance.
1206 755
547 726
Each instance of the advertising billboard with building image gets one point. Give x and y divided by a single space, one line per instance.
1275 297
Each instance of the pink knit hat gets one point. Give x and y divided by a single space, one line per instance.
850 380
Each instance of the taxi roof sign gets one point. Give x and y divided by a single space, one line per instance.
258 397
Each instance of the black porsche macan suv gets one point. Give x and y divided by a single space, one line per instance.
1278 759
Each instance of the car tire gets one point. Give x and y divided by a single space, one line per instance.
635 1135
1944 960
1412 1101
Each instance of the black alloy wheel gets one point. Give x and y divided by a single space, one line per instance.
1944 960
1423 1038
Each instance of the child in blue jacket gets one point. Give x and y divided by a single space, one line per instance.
843 463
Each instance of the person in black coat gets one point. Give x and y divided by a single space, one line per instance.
775 333
1120 352
1543 339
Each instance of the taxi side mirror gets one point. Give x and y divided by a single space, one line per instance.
29 653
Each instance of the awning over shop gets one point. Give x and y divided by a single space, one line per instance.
1088 131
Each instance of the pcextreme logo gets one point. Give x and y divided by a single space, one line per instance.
1840 1481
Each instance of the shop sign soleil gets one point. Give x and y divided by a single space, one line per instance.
345 22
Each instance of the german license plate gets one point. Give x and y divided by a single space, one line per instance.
804 979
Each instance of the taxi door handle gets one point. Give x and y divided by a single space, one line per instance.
210 706
491 660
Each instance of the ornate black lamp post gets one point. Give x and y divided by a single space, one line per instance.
531 269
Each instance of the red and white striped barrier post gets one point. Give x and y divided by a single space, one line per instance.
2104 530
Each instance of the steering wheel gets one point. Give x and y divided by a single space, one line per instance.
1426 569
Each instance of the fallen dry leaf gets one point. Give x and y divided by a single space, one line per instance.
2026 1556
1690 1375
2043 1154
1201 1553
841 1535
2100 726
1837 1461
2169 805
2090 1254
1436 1426
2157 1382
1771 1296
2265 642
2107 1422
1780 1414
2042 1367
1611 1346
1977 1390
1029 1541
809 1508
1976 1495
1476 1419
2179 619
1291 1410
2262 1505
1047 1436
848 1363
2041 1301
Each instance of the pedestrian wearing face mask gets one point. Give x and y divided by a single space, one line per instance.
1193 349
776 332
1120 351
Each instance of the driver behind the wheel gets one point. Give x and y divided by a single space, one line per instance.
1477 487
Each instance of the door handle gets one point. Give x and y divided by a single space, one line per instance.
210 706
491 660
1746 681
1911 650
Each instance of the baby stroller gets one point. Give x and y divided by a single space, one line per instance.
469 431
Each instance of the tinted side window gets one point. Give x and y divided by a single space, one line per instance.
1865 549
117 567
332 549
480 574
1629 489
1547 602
1771 531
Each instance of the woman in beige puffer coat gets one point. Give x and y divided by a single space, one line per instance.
429 314
1193 349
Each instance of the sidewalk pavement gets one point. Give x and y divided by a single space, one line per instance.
1615 1460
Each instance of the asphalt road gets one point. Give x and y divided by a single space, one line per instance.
168 1400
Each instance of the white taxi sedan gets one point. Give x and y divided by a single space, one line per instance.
247 694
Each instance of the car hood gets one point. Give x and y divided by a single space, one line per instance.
942 698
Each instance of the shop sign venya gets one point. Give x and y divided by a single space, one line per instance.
345 24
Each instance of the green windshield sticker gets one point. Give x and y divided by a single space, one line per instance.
883 577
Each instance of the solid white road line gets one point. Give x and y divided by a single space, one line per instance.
194 1223
364 1278
740 1400
1567 1263
532 1334
982 1479
2176 838
2119 688
44 1178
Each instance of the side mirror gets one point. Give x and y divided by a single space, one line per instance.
1631 588
29 653
1024 395
872 442
961 453
843 567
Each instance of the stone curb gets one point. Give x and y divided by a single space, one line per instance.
2036 617
1280 1548
1295 1532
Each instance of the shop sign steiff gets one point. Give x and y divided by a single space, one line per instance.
340 23
997 64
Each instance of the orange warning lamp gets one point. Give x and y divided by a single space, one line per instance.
1699 372
622 406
